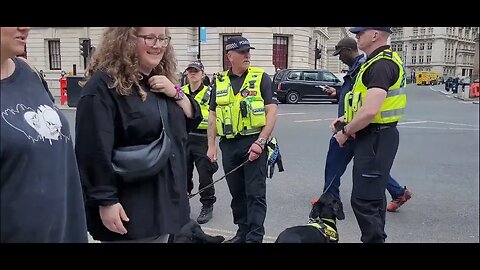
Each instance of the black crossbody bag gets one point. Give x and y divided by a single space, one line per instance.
136 162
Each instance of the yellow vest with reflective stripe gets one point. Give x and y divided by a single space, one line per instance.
393 107
243 113
203 99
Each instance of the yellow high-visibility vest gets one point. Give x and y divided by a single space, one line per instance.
203 99
243 113
393 107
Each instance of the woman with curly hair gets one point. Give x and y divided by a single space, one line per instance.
131 71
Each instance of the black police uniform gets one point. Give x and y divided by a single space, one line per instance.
247 185
374 151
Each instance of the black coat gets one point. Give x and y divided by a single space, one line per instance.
105 119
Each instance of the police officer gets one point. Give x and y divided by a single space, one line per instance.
197 143
339 157
243 111
372 110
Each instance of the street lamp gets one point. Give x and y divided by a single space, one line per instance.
405 62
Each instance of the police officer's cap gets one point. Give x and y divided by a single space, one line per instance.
238 44
357 30
196 65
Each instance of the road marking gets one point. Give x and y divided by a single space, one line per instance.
314 120
446 128
418 121
450 123
293 113
270 239
414 122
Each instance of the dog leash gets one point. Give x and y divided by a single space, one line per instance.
335 175
234 169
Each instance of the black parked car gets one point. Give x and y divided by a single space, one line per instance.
294 85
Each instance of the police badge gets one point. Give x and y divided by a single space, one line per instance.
244 93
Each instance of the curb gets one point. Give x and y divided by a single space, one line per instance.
65 107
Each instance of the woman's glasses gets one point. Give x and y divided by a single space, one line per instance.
151 40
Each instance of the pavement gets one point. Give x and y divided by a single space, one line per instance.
441 89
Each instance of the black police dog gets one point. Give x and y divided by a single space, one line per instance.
321 227
193 233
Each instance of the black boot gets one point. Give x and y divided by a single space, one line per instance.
205 214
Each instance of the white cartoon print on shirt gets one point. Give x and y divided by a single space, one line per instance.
45 121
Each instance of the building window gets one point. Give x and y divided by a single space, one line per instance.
429 45
226 63
414 59
422 31
429 59
394 47
420 59
430 30
54 55
422 46
280 52
399 48
415 31
414 46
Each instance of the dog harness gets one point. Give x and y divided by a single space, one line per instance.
327 230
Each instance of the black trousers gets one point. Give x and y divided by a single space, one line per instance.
197 155
247 187
374 152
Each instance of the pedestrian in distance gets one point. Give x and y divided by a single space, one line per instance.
197 144
243 112
131 100
373 108
339 157
41 197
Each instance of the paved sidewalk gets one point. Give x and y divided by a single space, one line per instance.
64 106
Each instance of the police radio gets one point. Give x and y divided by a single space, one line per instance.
243 108
227 125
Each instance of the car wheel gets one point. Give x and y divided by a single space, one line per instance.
292 97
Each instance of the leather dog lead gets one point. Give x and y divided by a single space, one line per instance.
234 169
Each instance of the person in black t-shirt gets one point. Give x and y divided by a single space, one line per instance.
41 195
379 99
131 70
243 111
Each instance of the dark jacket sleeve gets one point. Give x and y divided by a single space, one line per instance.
94 143
193 122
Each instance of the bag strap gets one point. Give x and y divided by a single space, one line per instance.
35 70
162 107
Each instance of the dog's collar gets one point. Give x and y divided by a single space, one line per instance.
325 226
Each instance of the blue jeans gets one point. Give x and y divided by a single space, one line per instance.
336 164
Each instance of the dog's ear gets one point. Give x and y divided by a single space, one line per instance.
338 210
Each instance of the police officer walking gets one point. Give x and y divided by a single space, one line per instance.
197 143
243 112
372 110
